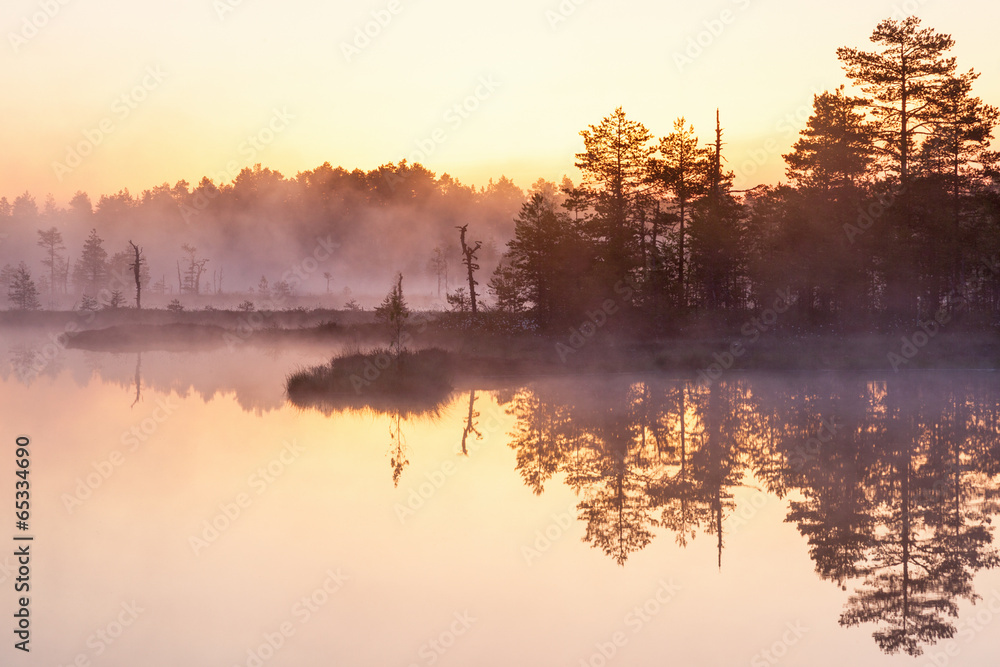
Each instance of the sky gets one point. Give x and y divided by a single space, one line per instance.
101 95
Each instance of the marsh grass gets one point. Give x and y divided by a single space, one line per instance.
414 382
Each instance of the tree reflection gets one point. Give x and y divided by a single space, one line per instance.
930 542
138 378
398 456
893 482
471 425
612 471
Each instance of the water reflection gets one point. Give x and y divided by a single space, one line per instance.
893 482
471 424
399 457
253 375
138 378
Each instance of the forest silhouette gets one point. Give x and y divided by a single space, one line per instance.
892 480
893 483
889 217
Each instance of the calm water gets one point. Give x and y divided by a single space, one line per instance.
625 520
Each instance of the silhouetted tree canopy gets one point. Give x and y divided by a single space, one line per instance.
891 216
895 483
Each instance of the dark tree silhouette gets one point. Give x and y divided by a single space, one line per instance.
21 290
717 237
51 241
615 166
834 151
541 256
469 259
543 437
895 499
393 313
903 77
138 378
398 457
136 267
824 263
470 423
91 269
190 283
890 215
437 265
683 172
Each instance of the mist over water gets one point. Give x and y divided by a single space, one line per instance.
778 500
664 414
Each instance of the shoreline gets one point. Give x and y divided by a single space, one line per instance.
497 355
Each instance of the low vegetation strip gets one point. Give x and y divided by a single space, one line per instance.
142 337
412 381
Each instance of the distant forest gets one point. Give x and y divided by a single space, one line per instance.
261 231
890 215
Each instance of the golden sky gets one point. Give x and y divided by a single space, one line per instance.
106 94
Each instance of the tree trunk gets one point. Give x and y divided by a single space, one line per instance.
136 265
471 266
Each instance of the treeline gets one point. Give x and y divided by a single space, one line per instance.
890 216
890 212
892 483
315 233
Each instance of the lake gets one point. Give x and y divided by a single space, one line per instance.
185 513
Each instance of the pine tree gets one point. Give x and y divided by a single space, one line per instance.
958 154
52 242
22 292
437 266
116 300
835 149
903 77
458 301
7 276
829 164
927 124
393 312
191 282
281 291
683 172
508 288
615 166
25 208
88 303
545 258
959 144
91 269
717 243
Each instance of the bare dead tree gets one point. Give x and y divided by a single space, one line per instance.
136 267
192 275
470 424
138 379
469 255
